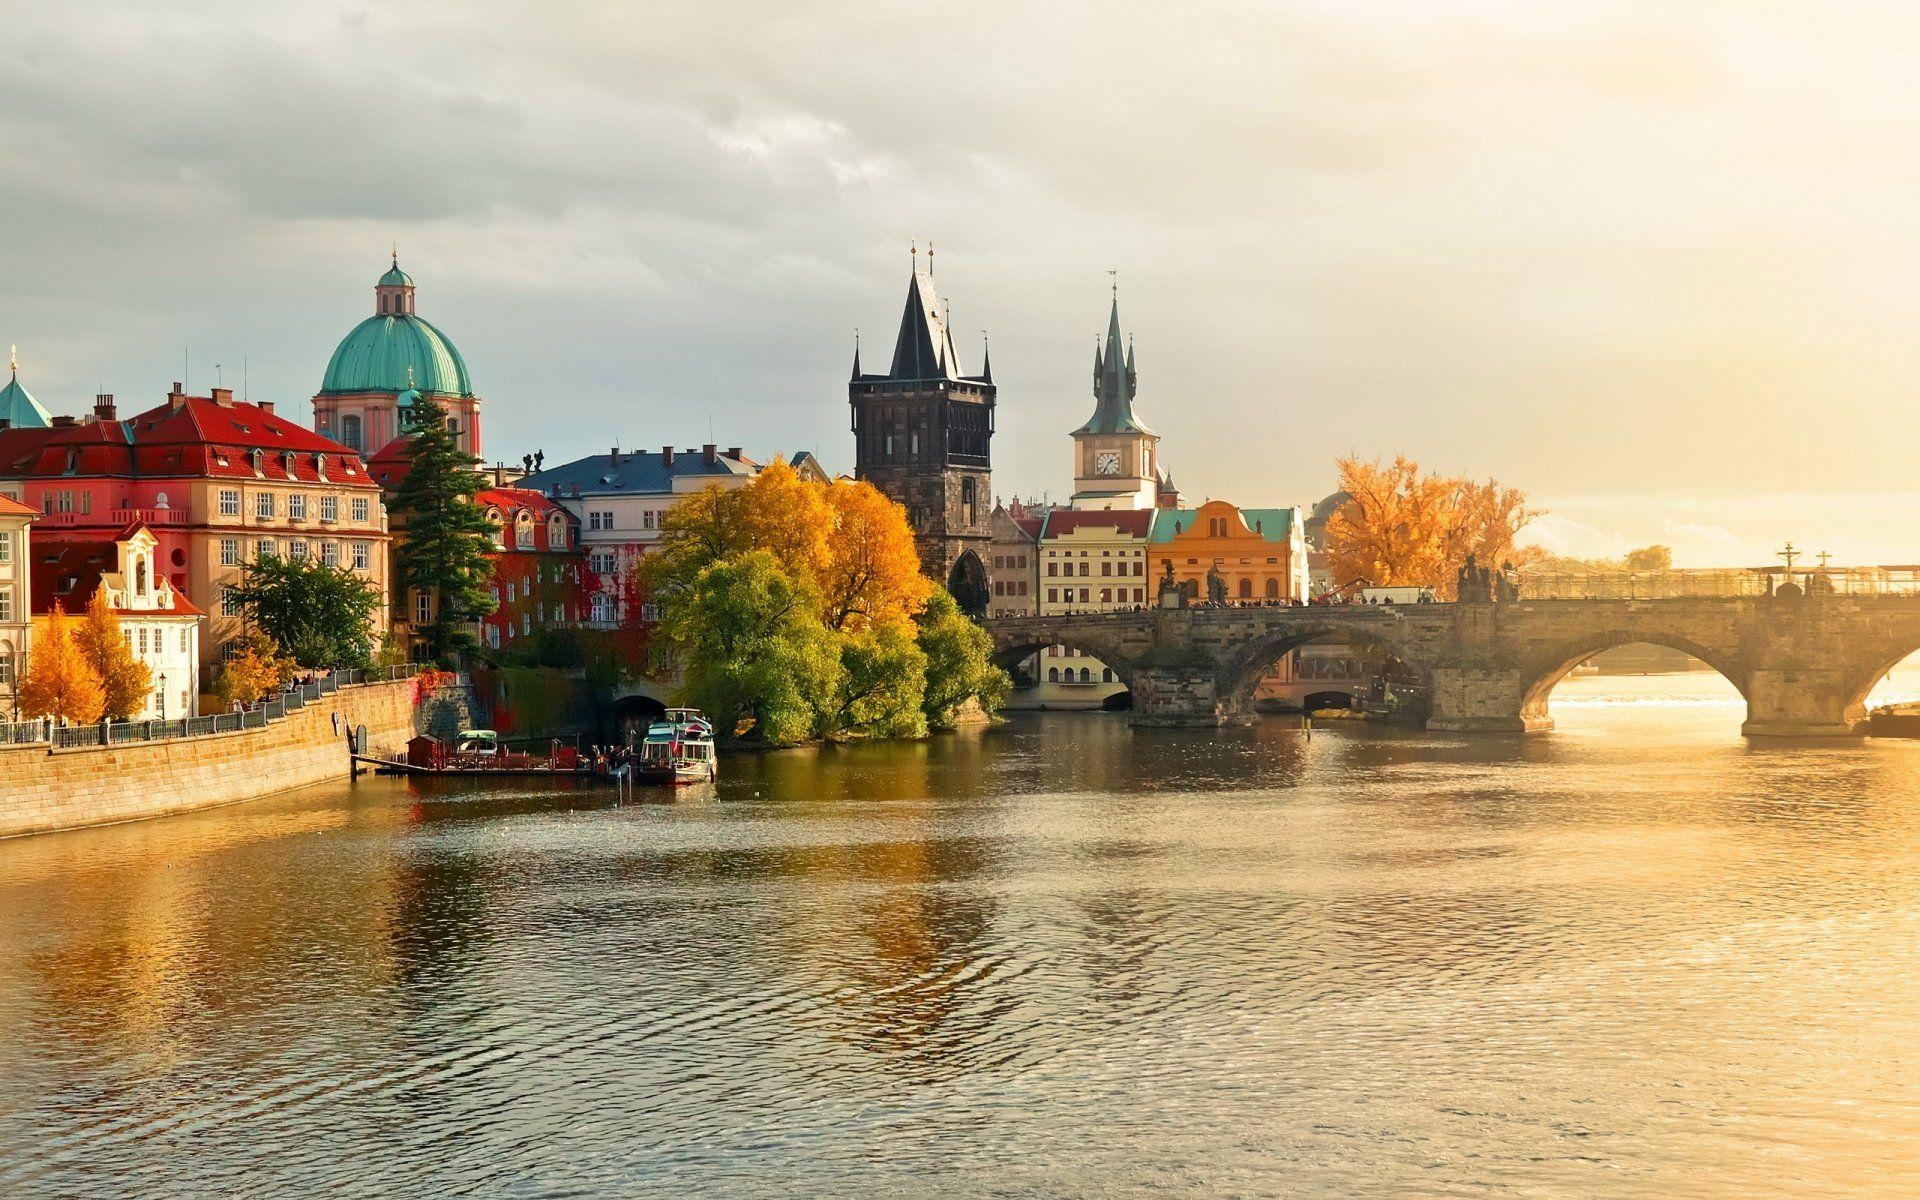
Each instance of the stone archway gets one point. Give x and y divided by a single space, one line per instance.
1239 678
1547 669
967 582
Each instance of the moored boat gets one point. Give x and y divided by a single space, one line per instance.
678 750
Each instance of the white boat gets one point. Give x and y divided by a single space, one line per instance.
679 749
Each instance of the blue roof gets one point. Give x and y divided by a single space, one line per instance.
635 474
20 409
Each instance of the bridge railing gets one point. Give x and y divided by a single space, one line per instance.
1688 584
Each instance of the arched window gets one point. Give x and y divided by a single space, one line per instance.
969 501
1246 589
1053 674
1106 675
140 576
1273 588
350 432
556 532
499 529
523 530
1086 674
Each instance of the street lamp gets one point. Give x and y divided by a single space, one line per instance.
163 695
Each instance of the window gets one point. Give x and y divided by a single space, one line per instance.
297 506
330 553
601 606
423 608
1083 595
1216 527
1053 674
646 519
297 550
1053 595
1084 567
229 502
229 602
1106 675
264 549
362 556
6 668
263 506
350 432
1052 568
65 503
143 641
523 530
493 636
6 545
969 502
229 552
360 510
513 591
6 603
186 640
1106 568
1086 674
1246 589
329 508
603 562
1106 595
1273 588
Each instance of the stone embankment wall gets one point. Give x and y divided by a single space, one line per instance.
43 790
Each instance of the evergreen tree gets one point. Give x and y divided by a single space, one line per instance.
320 615
125 680
447 542
59 682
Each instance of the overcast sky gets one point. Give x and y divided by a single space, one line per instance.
1657 263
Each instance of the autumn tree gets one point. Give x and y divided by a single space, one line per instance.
59 682
126 682
872 577
776 511
256 669
1399 527
1650 558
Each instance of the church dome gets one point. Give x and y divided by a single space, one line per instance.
395 350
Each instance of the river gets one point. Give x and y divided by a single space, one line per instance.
1637 957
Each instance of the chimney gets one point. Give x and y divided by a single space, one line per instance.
666 456
733 452
613 457
266 406
709 454
103 406
64 422
223 397
176 398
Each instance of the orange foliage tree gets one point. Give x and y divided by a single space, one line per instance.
1400 527
872 577
126 681
59 682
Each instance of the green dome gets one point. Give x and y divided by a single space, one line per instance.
18 407
376 355
395 277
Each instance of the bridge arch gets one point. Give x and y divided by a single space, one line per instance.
1547 669
1252 662
1008 653
1867 667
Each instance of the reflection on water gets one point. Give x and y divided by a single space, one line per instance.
1640 956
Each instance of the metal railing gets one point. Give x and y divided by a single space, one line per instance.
113 733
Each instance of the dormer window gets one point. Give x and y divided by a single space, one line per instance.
257 459
286 463
320 465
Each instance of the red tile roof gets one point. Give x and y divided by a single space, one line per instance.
69 570
187 437
1132 522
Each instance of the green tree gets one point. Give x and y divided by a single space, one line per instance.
759 661
322 616
447 544
960 664
883 684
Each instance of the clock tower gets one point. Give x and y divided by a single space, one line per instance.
1115 457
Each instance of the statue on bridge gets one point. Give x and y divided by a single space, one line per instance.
1216 585
1173 593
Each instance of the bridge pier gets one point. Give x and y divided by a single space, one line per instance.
1174 697
1483 700
1802 703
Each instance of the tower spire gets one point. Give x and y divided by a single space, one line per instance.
856 352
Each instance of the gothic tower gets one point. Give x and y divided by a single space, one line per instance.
1115 455
923 434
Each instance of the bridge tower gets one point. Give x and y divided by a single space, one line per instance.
923 434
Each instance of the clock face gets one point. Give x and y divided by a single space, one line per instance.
1107 462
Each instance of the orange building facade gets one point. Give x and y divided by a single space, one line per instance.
1260 554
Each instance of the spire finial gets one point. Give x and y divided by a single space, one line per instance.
13 360
396 253
409 376
929 256
913 248
1113 275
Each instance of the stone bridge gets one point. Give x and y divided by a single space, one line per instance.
1804 663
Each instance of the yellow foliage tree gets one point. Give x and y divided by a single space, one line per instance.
59 682
126 680
255 671
1400 527
872 578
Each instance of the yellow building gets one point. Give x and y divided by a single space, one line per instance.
1089 562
